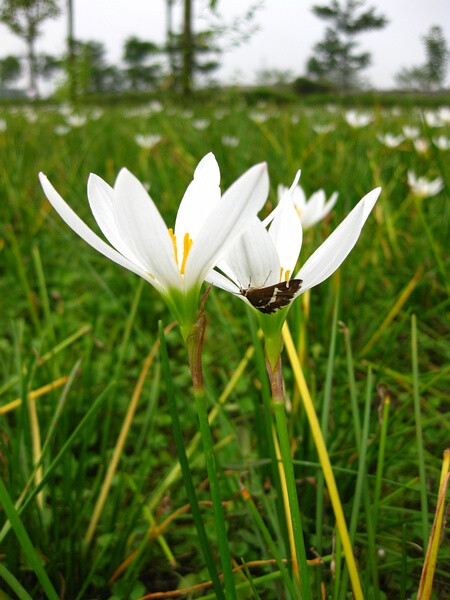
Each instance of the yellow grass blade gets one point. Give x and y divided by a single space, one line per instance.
324 461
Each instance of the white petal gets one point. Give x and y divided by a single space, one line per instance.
243 199
85 233
253 257
140 224
218 280
101 201
286 197
200 198
330 255
286 234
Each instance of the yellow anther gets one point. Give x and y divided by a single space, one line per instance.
187 243
173 237
287 275
281 273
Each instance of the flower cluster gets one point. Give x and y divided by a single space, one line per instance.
216 237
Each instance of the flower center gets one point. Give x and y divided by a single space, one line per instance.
287 274
299 211
187 244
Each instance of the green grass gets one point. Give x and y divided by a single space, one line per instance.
68 312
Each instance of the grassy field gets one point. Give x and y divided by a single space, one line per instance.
80 367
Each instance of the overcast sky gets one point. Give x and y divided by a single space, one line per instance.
287 31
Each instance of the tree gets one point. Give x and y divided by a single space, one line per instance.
24 18
431 75
185 49
336 58
93 75
137 54
70 60
437 57
10 70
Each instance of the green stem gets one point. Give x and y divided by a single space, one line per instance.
184 464
26 544
276 383
211 467
381 453
269 541
419 437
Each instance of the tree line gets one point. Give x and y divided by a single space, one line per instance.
336 61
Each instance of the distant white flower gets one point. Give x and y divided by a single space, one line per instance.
3 125
230 140
390 140
442 142
258 116
444 113
411 132
76 120
310 211
423 187
262 258
433 119
200 124
321 129
30 115
358 119
65 109
295 118
421 145
174 261
96 114
147 141
187 114
155 106
62 129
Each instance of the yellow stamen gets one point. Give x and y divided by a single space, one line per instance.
281 273
287 275
173 237
299 211
187 243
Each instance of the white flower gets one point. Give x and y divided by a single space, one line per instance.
3 125
358 119
433 119
310 211
442 142
421 145
155 106
230 140
30 115
147 141
261 258
411 132
325 128
76 120
174 261
295 118
62 129
258 116
96 114
444 113
423 187
390 140
200 124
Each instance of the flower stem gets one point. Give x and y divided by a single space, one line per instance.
287 476
184 464
219 518
195 342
